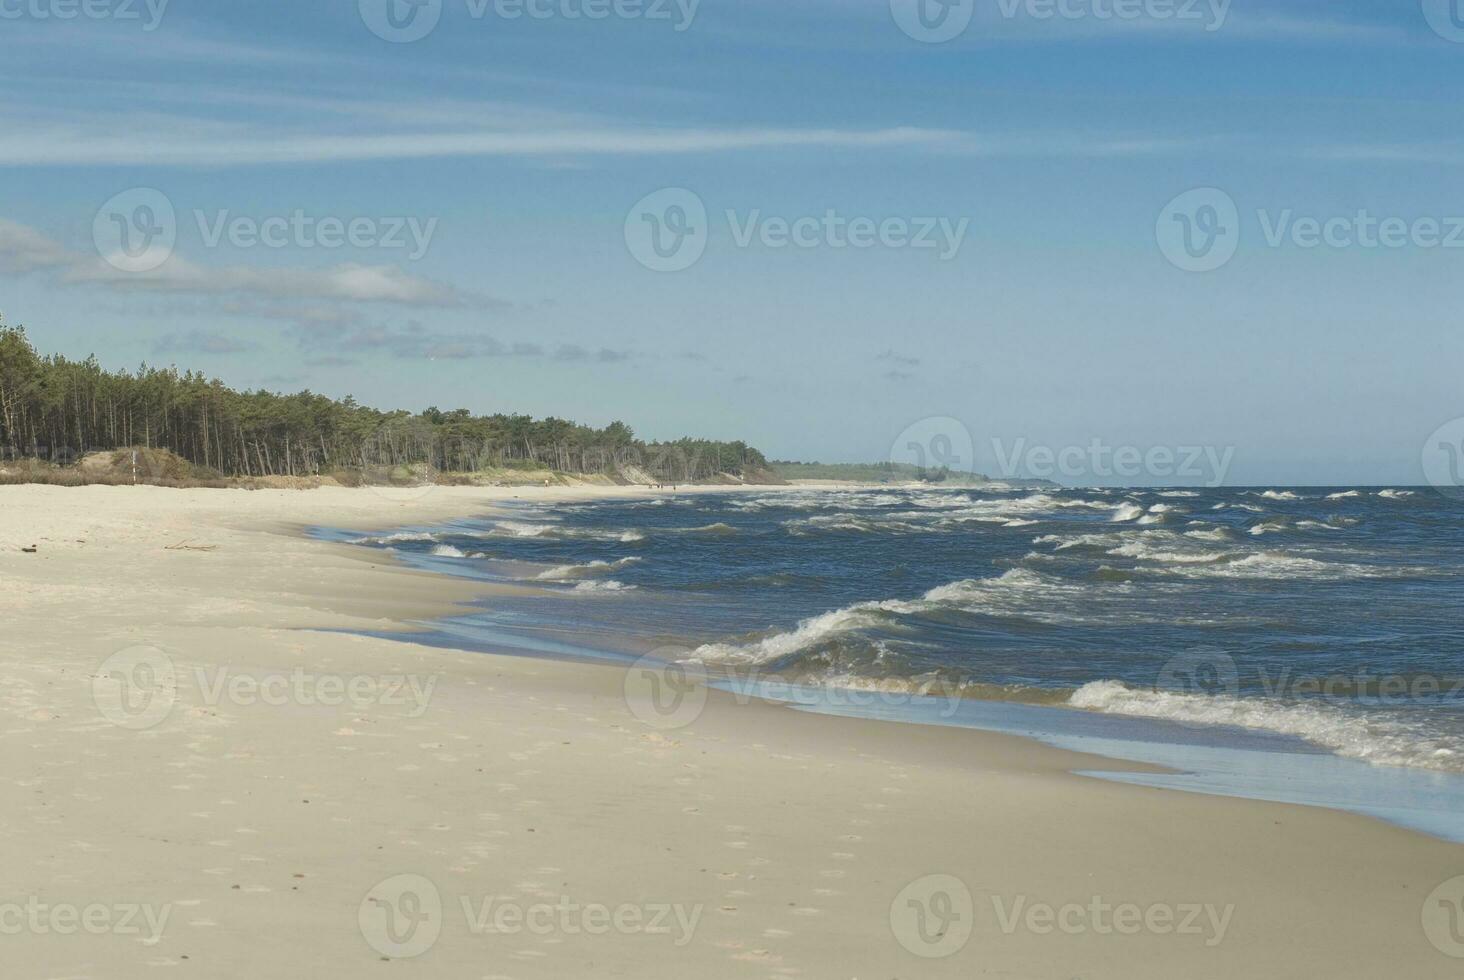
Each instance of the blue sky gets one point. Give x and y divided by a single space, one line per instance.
1055 144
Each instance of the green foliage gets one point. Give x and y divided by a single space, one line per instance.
58 409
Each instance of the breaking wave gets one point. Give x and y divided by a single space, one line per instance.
523 529
400 537
1375 737
569 573
607 585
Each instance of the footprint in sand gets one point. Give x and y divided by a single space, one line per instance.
756 956
528 954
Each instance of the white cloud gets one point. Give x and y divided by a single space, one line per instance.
24 250
166 145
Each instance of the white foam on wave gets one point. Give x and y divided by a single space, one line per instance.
1344 495
1279 495
1066 542
1144 551
1275 565
1034 503
960 593
400 537
1395 494
521 529
949 514
717 528
1178 493
999 594
1136 514
863 524
570 572
1350 732
1209 534
940 501
448 551
607 585
805 634
1127 512
1155 545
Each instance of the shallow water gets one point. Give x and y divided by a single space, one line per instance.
1324 622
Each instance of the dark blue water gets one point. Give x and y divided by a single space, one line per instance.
1327 616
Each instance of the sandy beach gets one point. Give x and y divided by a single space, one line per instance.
304 801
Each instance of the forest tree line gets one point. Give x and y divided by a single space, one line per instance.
55 408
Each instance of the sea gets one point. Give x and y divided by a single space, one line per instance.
1303 645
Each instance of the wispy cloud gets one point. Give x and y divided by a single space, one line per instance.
24 250
165 146
349 282
894 357
201 342
162 138
1209 22
415 341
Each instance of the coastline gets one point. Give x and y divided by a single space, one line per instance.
529 780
